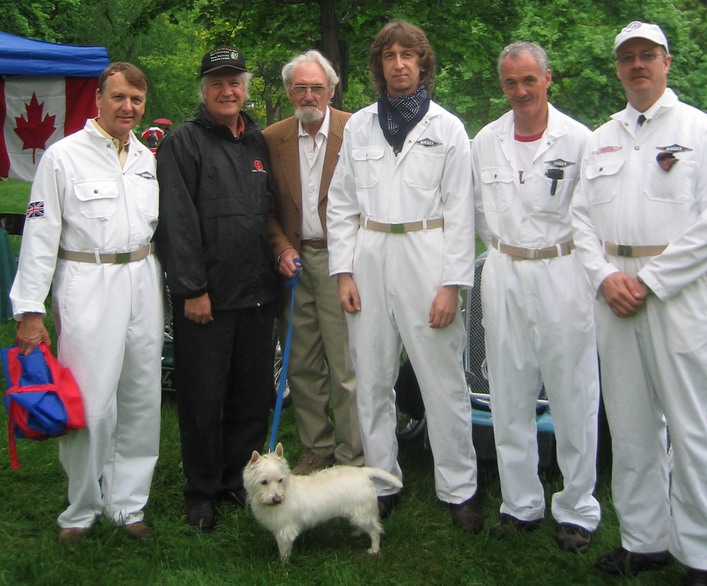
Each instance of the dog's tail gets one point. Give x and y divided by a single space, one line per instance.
380 474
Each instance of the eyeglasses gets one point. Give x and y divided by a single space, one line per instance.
645 57
301 90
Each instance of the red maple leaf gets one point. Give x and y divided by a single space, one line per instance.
34 131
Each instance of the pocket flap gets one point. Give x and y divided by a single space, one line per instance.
96 190
603 169
496 175
367 154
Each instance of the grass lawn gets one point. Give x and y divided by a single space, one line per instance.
420 545
13 195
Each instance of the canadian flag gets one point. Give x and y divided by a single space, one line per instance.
37 111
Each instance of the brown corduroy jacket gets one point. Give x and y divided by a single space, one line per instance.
282 142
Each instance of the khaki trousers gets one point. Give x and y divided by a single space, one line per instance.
320 365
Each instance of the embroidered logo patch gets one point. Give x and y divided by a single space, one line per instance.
35 209
560 163
258 167
674 148
145 175
428 142
606 149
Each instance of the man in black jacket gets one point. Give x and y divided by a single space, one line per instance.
215 200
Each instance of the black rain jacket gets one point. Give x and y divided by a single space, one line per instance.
215 199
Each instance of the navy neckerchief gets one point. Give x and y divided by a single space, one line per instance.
398 116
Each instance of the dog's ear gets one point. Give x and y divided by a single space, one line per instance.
279 451
254 457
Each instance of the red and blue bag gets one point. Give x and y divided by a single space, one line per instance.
42 398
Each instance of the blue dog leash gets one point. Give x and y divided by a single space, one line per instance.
291 283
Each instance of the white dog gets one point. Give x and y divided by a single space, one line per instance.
287 504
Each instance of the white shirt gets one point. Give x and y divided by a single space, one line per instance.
311 167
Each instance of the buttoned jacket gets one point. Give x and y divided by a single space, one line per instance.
625 196
533 215
283 144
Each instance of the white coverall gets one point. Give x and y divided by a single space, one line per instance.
654 364
398 276
538 319
109 317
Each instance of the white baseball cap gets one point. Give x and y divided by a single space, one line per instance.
641 30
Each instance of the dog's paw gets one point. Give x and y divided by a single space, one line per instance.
373 551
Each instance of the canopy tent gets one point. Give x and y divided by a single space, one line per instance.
20 56
47 91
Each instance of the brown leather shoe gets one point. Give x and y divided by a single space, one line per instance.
468 516
72 535
310 462
629 563
139 531
572 538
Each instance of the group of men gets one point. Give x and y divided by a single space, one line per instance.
594 240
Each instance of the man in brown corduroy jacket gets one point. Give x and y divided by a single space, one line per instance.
304 150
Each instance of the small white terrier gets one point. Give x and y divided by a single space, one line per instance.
287 504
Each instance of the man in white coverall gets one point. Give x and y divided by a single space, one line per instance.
537 301
90 220
400 223
640 227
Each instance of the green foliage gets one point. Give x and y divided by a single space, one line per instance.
167 38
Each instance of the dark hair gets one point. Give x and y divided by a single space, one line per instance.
134 76
409 36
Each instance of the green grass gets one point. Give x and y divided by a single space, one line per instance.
420 545
13 195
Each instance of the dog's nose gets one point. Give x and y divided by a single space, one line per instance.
277 499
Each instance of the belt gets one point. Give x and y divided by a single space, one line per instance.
317 244
117 258
404 227
518 253
632 251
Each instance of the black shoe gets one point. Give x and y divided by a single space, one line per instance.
386 504
621 561
236 496
468 516
572 538
696 577
508 524
200 514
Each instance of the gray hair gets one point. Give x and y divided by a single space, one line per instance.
515 50
312 57
246 76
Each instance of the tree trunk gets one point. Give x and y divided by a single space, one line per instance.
330 43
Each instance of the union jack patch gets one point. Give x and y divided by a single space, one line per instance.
35 209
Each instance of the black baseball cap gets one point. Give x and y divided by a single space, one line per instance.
220 58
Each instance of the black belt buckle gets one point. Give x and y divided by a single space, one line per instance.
625 250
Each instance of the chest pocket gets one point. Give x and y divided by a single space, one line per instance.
498 187
368 162
423 170
673 186
98 199
602 180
